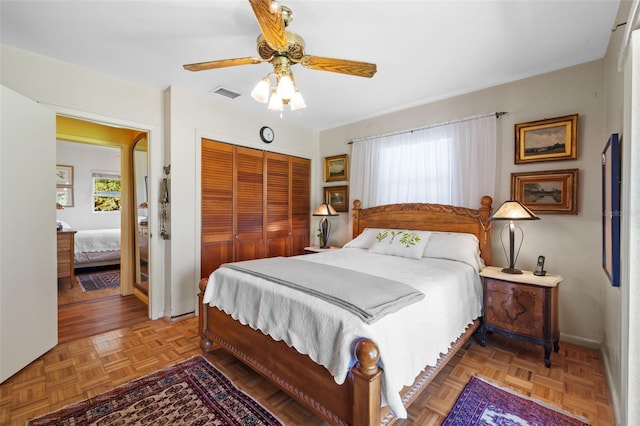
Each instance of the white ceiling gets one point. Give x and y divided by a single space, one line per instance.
424 50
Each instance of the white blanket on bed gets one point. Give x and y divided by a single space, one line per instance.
91 240
408 339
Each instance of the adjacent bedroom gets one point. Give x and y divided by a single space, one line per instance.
90 191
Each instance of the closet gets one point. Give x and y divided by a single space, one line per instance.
255 204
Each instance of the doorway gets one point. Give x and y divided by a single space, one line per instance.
104 203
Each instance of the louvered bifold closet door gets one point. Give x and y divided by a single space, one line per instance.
249 190
277 213
300 204
217 235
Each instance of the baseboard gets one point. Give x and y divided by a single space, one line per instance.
615 396
580 341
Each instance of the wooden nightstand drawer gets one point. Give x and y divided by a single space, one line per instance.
515 307
64 243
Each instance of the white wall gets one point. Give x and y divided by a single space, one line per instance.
570 243
85 160
193 117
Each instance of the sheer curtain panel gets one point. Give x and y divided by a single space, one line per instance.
452 163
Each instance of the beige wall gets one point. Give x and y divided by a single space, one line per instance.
570 243
611 296
82 93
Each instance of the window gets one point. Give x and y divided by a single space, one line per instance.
449 163
106 192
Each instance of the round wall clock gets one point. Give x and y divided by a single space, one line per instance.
266 134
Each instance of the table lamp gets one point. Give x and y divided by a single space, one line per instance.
325 210
513 210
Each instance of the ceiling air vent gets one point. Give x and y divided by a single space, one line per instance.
225 92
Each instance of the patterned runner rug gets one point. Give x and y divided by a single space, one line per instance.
192 392
482 403
99 280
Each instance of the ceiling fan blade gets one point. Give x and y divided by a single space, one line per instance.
201 66
360 69
271 22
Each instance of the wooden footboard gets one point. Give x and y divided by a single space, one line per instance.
355 402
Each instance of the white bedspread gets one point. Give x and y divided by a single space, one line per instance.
408 340
92 240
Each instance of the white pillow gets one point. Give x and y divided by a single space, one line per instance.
399 242
458 246
365 240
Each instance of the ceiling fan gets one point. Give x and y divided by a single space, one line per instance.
282 49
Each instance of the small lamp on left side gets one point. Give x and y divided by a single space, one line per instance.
325 210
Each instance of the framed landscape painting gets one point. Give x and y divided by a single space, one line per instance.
338 197
552 191
336 168
547 140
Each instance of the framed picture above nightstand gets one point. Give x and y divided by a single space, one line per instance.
521 307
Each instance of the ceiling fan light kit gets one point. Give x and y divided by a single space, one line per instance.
282 49
275 103
262 91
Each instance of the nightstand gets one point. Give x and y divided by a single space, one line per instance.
65 256
317 249
521 307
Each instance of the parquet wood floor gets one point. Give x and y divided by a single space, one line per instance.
96 316
85 367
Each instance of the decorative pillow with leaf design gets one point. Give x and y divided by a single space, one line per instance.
398 242
365 240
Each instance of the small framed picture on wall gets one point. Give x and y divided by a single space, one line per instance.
338 197
336 168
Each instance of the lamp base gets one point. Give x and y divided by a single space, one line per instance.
511 271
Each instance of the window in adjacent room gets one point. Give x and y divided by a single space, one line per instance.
106 192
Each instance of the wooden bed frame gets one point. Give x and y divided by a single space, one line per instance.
358 400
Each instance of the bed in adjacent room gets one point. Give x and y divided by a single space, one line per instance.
95 247
355 334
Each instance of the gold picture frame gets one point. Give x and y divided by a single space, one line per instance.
336 168
338 197
551 191
547 140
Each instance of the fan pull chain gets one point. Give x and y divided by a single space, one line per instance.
486 229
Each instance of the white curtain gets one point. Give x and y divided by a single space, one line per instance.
452 163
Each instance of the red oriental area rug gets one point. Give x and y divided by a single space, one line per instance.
192 392
482 403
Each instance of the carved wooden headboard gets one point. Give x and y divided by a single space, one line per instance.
429 217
